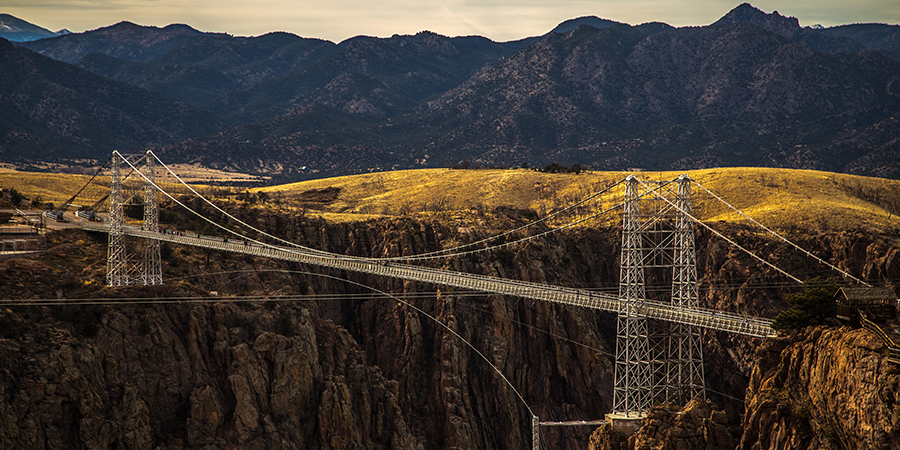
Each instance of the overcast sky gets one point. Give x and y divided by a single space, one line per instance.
500 20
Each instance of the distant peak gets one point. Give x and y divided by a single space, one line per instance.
774 22
591 21
125 24
180 26
15 29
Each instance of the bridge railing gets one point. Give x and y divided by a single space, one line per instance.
893 348
732 323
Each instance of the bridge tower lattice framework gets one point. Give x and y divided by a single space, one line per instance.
656 360
120 271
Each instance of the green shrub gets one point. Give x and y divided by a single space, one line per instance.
809 308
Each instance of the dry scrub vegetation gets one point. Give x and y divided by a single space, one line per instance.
781 198
58 188
776 197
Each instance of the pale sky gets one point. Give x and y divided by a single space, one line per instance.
499 20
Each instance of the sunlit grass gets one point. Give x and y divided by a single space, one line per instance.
778 198
51 187
775 197
59 188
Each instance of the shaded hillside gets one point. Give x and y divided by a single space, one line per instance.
55 111
207 66
877 36
751 89
312 142
367 75
124 40
616 98
17 30
718 95
842 39
257 78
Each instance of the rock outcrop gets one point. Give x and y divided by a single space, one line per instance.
698 426
208 376
348 369
825 388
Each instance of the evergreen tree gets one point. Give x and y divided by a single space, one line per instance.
808 308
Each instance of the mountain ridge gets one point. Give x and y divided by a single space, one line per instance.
69 113
124 40
620 96
15 29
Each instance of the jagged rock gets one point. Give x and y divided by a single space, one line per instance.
366 372
825 388
259 393
207 413
606 438
699 426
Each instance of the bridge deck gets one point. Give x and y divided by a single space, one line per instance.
716 320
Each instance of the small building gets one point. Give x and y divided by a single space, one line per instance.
878 303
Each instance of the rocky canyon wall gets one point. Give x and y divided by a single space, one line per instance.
347 369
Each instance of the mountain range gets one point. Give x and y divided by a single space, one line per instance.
750 89
17 30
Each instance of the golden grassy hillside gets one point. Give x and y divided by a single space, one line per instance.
58 188
775 197
52 187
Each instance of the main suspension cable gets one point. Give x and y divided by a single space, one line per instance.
722 236
210 221
507 233
229 215
782 238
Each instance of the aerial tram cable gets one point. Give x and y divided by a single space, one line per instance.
61 208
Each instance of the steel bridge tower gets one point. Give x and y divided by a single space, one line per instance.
116 257
118 270
152 268
656 360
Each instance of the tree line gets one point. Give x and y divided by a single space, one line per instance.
549 168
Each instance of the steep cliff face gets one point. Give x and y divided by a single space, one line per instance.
349 371
825 388
699 426
345 369
194 376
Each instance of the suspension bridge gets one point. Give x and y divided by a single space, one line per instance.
659 356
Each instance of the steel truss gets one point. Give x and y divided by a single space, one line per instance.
152 273
656 360
119 271
116 257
